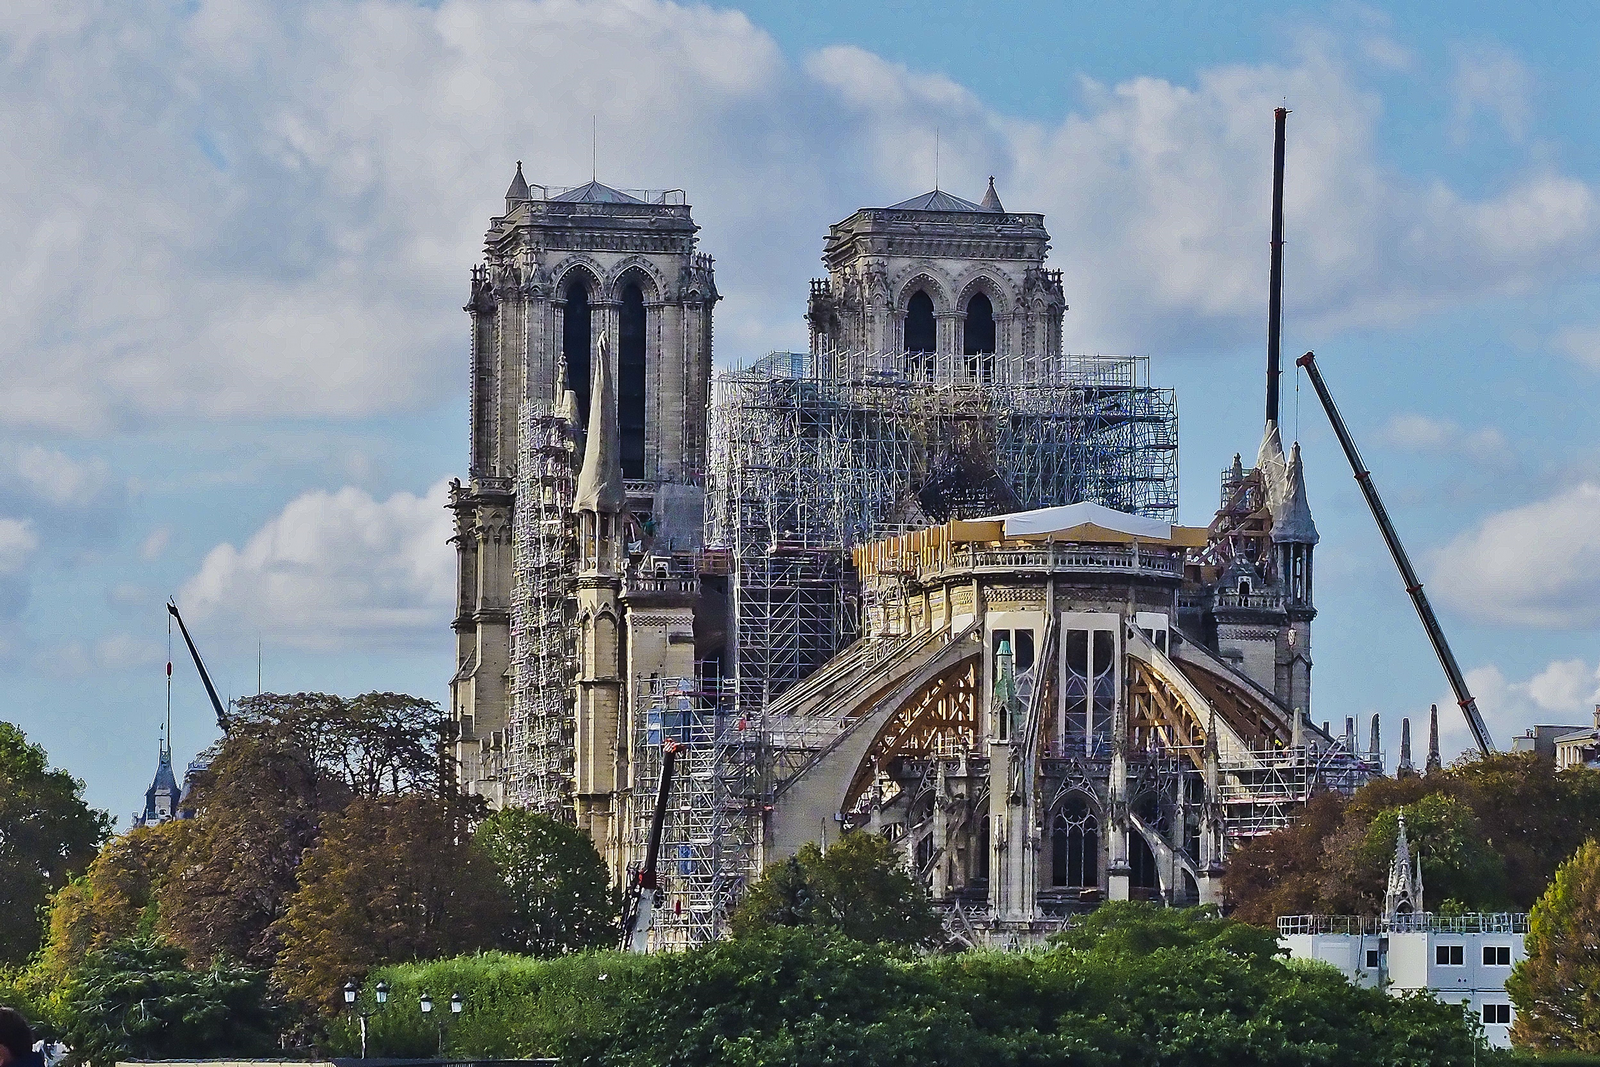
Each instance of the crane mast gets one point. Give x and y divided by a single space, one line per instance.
1430 622
223 722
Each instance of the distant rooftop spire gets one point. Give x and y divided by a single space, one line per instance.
1404 895
600 485
1433 739
991 199
1404 768
518 189
1373 750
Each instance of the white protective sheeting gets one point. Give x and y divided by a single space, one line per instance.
1044 521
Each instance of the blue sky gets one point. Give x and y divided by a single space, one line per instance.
236 237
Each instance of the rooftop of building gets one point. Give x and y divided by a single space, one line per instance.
1083 523
1499 922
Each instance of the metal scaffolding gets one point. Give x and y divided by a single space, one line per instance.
711 839
1268 789
539 725
811 455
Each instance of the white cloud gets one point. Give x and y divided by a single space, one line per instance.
122 651
1416 432
1563 692
335 571
155 543
59 478
17 542
1534 565
300 188
1581 344
1492 80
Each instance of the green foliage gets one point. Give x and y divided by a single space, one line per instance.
1457 863
513 1006
1490 831
560 890
115 899
391 880
138 1000
856 888
1135 985
1556 989
372 745
47 835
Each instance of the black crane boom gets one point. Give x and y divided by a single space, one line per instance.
639 904
1430 622
223 721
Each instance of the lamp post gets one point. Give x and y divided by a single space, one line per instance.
352 994
426 1004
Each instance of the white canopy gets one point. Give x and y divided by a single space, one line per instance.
1044 521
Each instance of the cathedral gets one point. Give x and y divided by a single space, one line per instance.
923 580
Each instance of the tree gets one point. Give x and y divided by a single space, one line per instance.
1138 984
115 899
136 999
560 890
1457 863
1557 987
857 888
47 835
1493 831
259 806
392 880
374 744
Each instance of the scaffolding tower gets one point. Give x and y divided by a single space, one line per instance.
711 838
539 725
813 454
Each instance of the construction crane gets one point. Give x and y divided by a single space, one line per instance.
640 902
1430 622
223 722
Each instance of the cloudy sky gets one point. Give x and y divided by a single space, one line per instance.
236 234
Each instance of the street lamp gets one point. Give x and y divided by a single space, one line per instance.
352 993
426 1004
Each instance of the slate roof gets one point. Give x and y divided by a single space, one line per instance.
938 200
595 193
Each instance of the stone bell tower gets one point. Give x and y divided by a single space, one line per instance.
562 271
959 289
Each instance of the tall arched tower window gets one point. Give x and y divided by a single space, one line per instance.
978 336
575 340
630 380
922 336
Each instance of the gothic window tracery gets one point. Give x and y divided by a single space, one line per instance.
1091 687
1075 845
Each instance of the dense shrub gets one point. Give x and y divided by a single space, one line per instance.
1135 984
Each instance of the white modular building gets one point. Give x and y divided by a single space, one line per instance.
1460 959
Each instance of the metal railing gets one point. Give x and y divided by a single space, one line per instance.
1497 922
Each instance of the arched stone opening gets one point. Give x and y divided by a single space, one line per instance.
631 334
576 337
922 332
978 336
